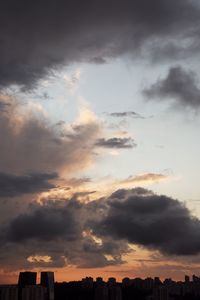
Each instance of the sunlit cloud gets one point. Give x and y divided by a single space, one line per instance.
39 258
147 178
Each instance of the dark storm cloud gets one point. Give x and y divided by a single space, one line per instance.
156 222
39 36
84 234
118 143
57 229
13 185
180 85
131 114
47 223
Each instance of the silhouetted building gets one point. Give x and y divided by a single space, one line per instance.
99 281
34 292
187 279
101 291
47 280
87 289
87 282
148 283
126 282
27 278
111 281
195 278
138 283
9 292
115 292
157 281
161 293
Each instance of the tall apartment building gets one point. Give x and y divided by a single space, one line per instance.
47 280
27 278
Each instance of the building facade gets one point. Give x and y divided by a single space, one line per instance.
47 280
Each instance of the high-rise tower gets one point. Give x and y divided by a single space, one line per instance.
47 280
27 278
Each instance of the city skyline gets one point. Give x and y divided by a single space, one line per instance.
99 138
90 289
30 278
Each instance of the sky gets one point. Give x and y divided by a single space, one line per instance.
99 138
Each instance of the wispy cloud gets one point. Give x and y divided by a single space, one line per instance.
143 179
130 114
116 143
72 80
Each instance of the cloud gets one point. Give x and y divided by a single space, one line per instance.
47 223
118 143
77 31
56 230
142 179
3 106
13 185
98 233
31 144
109 185
73 80
180 86
76 182
131 114
149 220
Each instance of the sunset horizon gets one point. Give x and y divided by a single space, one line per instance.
99 139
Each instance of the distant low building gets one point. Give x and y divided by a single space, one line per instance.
126 282
161 293
115 293
87 282
101 292
36 292
9 292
